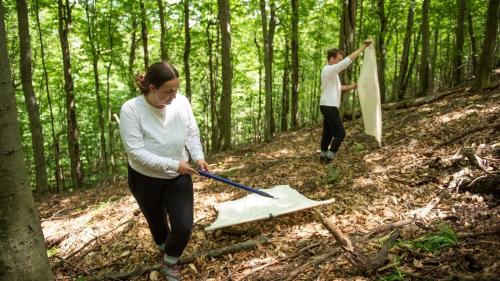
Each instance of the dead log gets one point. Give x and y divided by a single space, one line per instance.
476 160
250 244
477 129
421 101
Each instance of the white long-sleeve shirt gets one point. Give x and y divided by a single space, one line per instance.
156 139
330 83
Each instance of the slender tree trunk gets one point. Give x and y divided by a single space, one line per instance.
30 98
57 168
459 46
295 63
268 36
409 75
111 130
144 29
381 49
23 255
285 112
187 50
213 93
227 74
489 53
131 60
403 66
73 145
90 10
472 42
434 58
162 27
423 74
259 114
347 33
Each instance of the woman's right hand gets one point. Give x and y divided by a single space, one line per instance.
185 168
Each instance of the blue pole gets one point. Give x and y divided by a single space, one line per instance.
262 193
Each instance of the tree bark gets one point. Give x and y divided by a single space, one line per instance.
131 60
423 75
347 34
90 10
403 66
162 27
214 115
488 55
285 103
30 98
23 254
381 49
72 131
258 132
227 74
295 63
144 33
57 168
472 42
459 45
268 37
187 50
111 129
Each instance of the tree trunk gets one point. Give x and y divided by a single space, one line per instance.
162 26
23 255
30 98
144 29
488 55
133 46
295 63
108 103
213 93
347 33
408 78
57 168
459 46
268 36
472 42
259 115
397 92
285 112
187 50
227 74
90 10
73 145
381 49
423 74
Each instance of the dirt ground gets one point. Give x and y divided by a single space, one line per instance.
101 233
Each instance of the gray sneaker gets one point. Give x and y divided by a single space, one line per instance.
171 272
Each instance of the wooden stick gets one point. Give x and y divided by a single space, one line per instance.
491 126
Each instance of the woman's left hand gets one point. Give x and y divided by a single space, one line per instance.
203 165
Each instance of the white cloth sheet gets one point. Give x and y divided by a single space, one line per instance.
369 95
256 207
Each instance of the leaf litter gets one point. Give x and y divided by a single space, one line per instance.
102 230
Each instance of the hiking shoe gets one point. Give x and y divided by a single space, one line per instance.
171 272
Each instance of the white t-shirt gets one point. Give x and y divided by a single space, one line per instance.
330 83
156 139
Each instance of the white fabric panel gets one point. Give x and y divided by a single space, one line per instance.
369 95
256 207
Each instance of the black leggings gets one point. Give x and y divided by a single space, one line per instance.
332 128
159 197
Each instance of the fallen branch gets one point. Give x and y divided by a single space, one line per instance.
476 161
278 260
314 262
433 203
250 244
491 126
81 269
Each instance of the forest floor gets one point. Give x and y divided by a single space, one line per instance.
101 230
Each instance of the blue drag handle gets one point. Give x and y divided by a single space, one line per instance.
262 193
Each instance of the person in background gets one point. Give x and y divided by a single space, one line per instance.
333 129
156 128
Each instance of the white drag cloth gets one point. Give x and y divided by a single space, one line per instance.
369 95
256 207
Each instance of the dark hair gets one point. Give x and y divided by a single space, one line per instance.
332 53
157 74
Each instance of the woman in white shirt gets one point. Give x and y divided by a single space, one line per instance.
156 128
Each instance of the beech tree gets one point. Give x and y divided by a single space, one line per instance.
23 255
